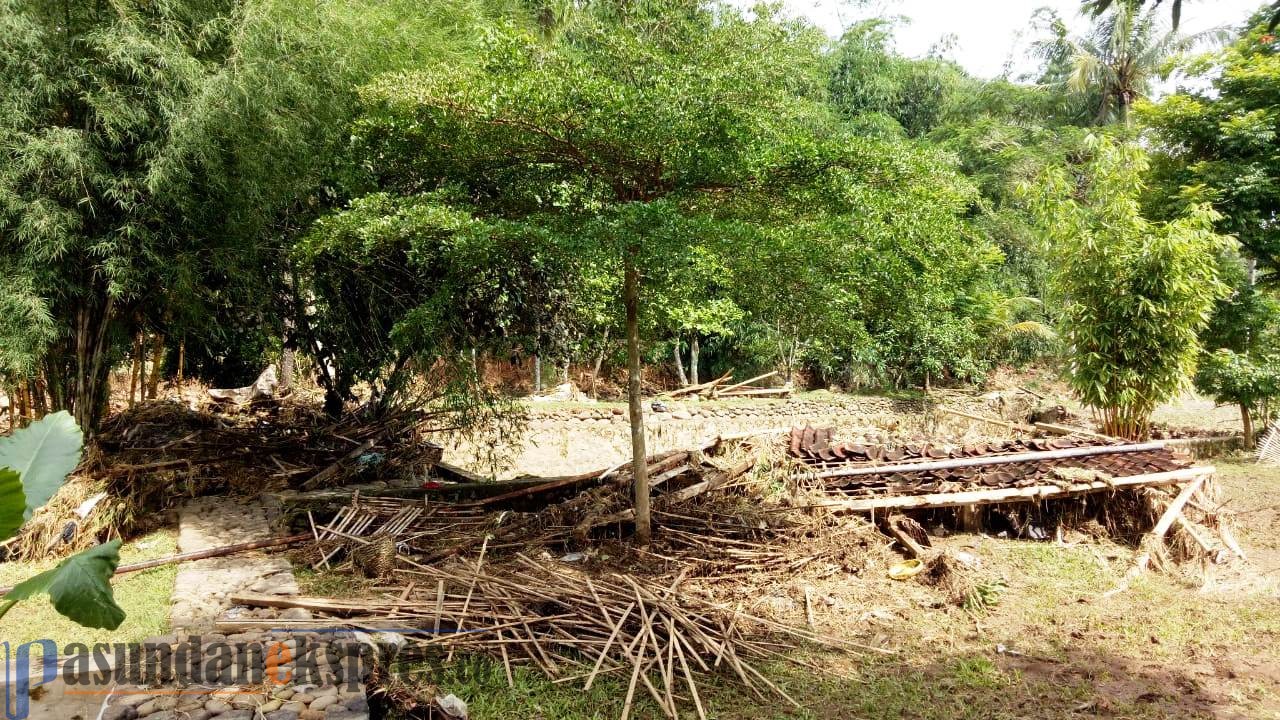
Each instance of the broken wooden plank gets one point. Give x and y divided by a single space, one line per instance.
1005 495
955 463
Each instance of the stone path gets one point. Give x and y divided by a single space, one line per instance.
202 587
262 675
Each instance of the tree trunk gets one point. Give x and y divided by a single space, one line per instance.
639 471
182 360
157 357
136 367
693 359
288 369
595 372
675 350
537 373
1246 419
84 363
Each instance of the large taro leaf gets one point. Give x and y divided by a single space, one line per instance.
44 453
80 587
13 502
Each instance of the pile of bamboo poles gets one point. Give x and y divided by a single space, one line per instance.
576 628
717 388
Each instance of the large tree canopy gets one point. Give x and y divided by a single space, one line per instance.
1220 144
151 153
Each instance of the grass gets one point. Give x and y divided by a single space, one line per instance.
143 595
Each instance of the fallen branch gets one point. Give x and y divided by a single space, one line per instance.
203 554
746 382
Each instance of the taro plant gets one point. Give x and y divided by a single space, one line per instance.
34 463
1134 293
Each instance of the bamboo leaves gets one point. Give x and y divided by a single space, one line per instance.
1135 293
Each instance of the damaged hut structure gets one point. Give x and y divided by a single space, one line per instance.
540 571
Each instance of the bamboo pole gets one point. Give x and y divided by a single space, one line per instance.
955 463
1004 495
999 423
747 382
203 554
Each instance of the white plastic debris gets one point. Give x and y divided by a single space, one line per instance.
452 705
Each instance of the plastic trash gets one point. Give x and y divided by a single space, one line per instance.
906 569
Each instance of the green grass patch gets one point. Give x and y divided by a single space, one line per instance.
143 595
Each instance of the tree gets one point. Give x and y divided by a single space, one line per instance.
869 81
1134 293
1097 7
1218 146
1242 345
1250 382
1120 56
672 142
152 154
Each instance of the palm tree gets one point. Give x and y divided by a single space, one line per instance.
1117 60
1097 7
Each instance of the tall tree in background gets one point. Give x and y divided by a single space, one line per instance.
1097 7
1219 146
1119 58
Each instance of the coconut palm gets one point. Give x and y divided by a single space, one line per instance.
1119 58
1097 7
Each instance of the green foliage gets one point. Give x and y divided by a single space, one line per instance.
394 278
44 453
1218 145
1231 377
79 587
1135 293
13 502
1115 63
152 154
868 81
34 463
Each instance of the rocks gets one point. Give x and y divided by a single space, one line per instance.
321 703
217 706
120 712
156 705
